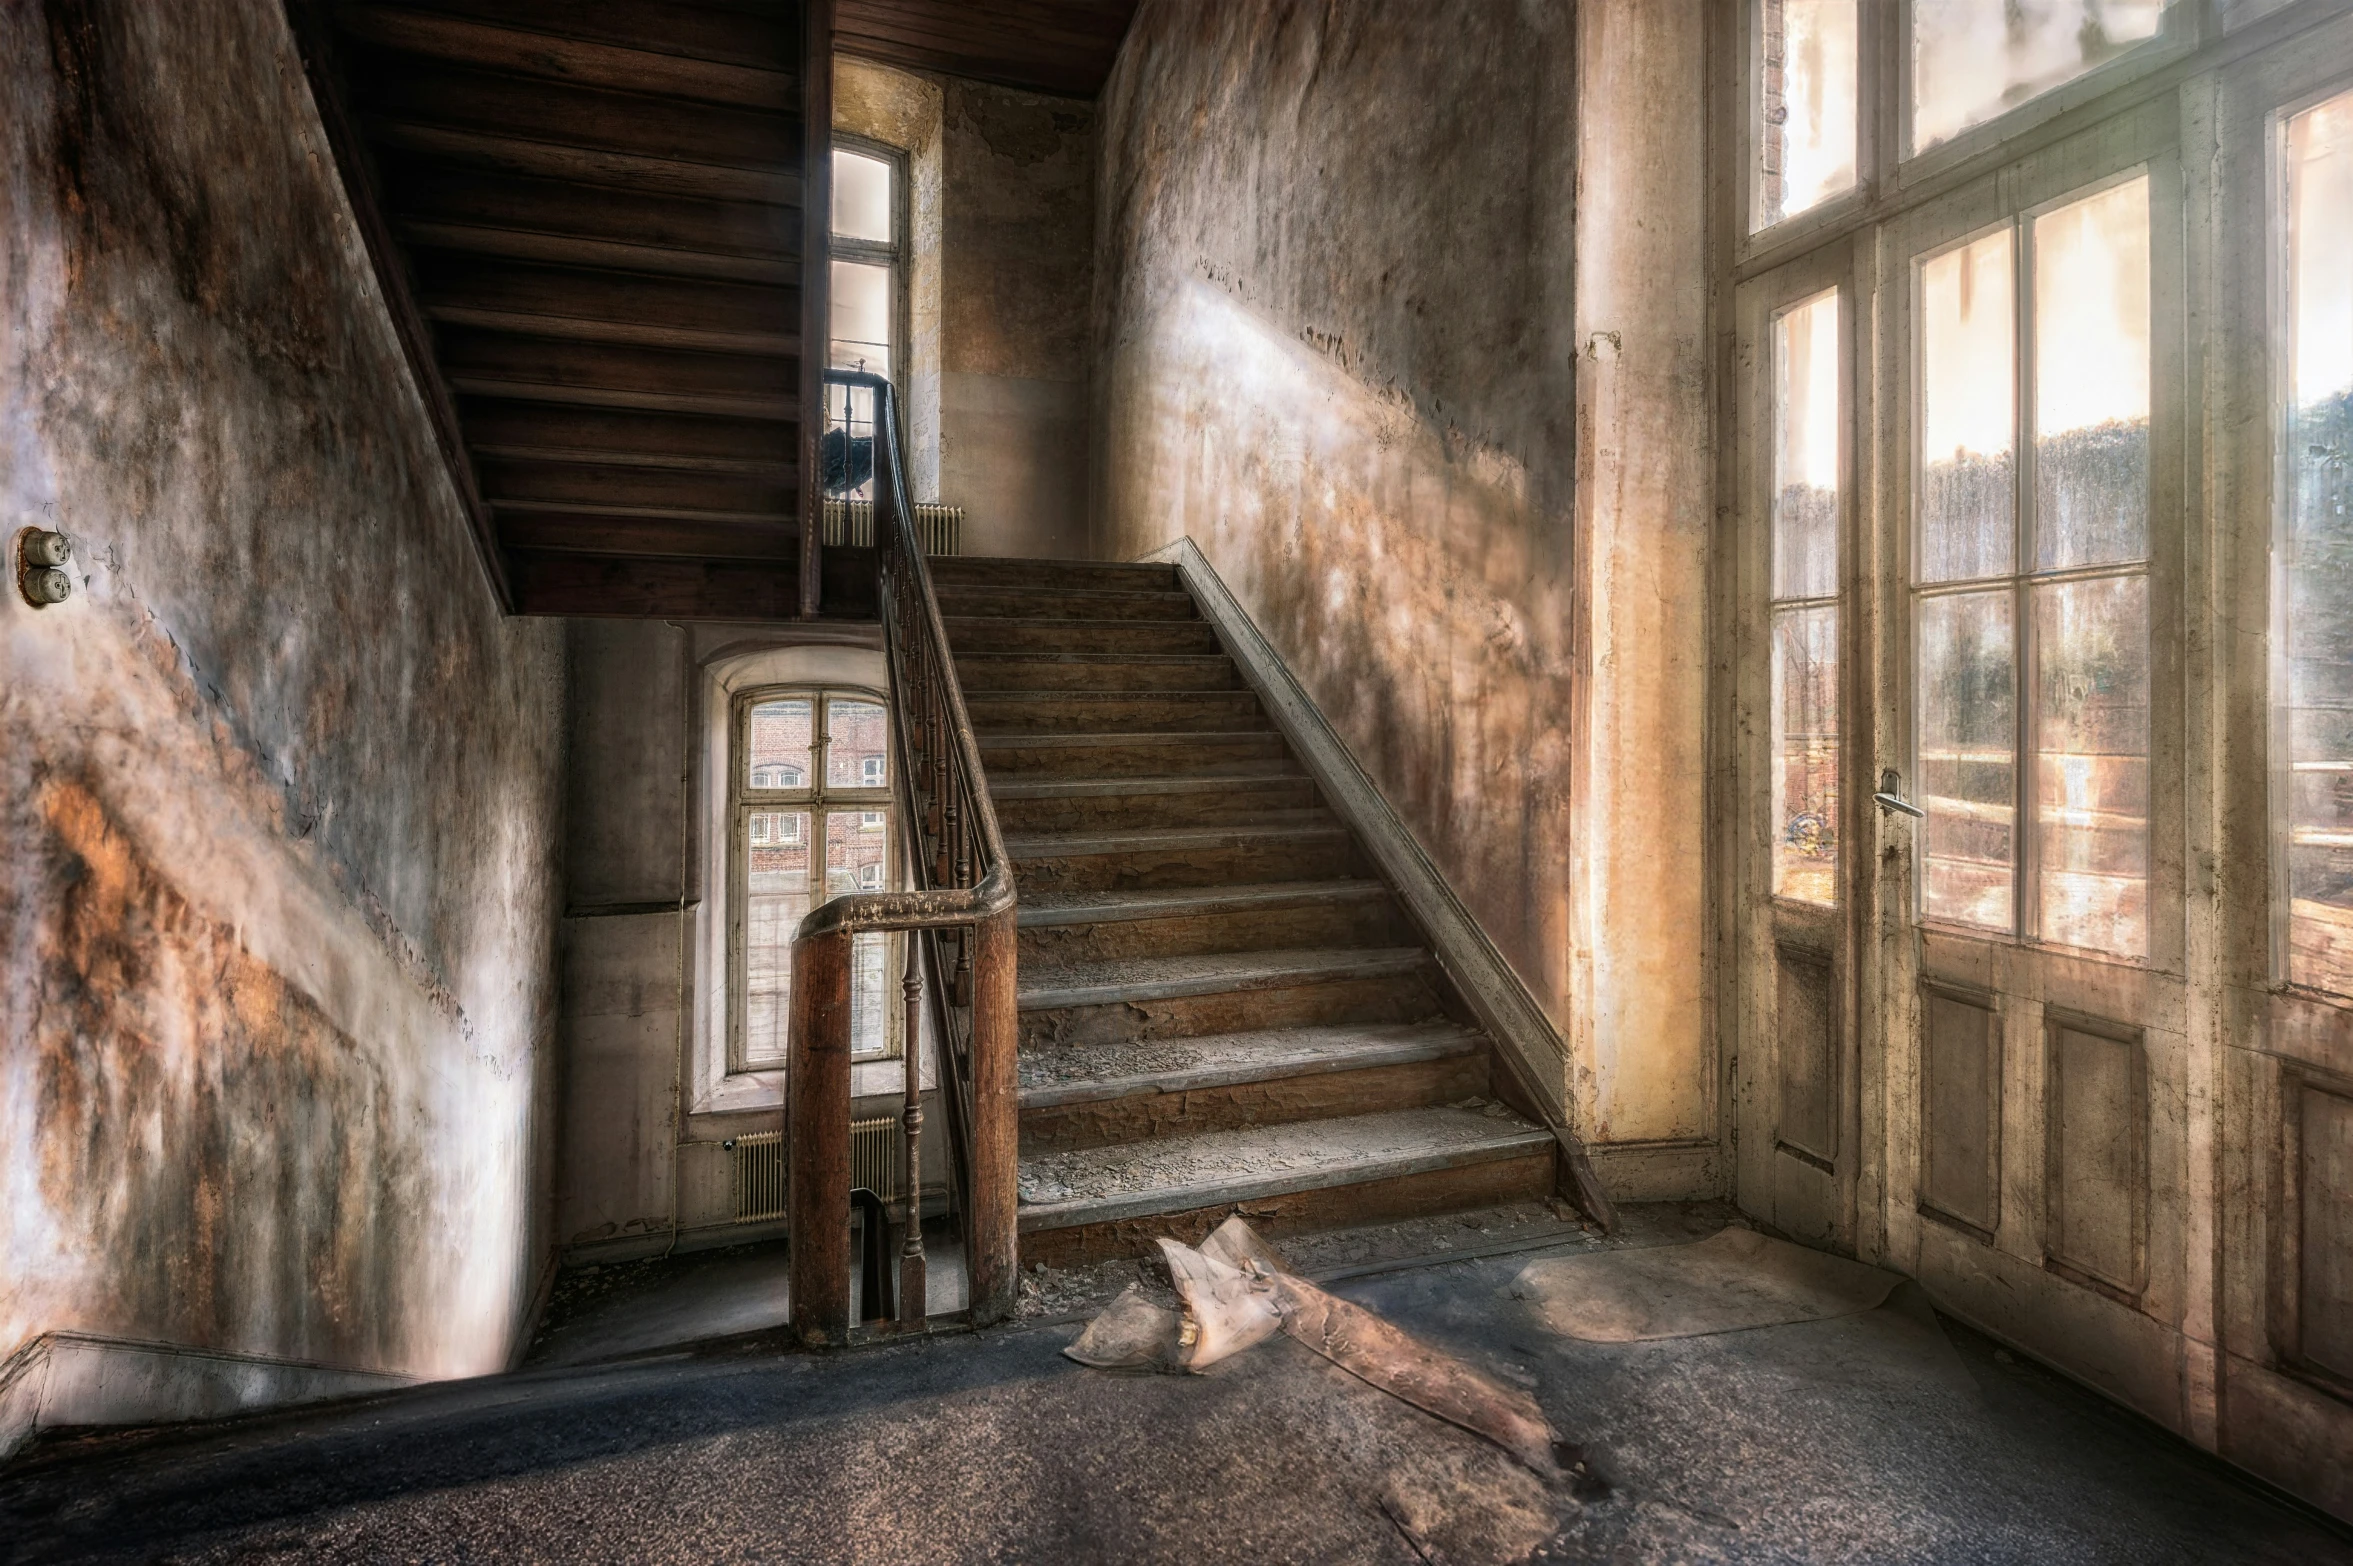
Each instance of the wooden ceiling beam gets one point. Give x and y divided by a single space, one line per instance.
595 166
436 192
461 40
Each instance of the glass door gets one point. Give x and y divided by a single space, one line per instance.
2030 522
1793 1072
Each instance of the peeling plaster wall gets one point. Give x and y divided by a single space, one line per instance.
1017 266
279 879
1337 343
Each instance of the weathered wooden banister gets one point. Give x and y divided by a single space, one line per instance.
958 921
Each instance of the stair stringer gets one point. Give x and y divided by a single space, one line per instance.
1527 1046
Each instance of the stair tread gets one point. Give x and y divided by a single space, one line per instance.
1069 622
1100 695
1109 981
1111 787
1114 660
1046 910
1267 826
1175 1174
1087 1073
1122 737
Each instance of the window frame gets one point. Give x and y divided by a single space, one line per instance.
894 255
2279 504
816 799
2140 143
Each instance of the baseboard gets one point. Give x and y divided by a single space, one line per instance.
1679 1171
703 1237
78 1379
1495 994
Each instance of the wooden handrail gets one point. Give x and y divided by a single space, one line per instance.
964 896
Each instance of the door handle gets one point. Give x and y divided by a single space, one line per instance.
1888 799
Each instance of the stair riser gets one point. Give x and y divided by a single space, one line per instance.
1402 998
982 677
1140 758
1235 806
1103 575
1321 1096
1108 637
1526 1177
1143 712
1322 858
1350 922
1018 603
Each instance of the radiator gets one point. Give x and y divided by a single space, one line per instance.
852 522
759 1175
878 1155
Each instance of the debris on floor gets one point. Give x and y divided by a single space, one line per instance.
1236 1291
1731 1281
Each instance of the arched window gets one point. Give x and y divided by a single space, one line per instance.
809 807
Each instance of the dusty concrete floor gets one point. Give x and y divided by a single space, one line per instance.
1893 1435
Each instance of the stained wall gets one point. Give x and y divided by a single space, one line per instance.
279 785
1418 360
1017 264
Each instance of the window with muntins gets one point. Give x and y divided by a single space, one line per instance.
810 819
2315 543
863 326
2030 575
1806 519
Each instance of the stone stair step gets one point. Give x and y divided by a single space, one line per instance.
1033 806
1004 571
1104 1201
1290 845
1048 603
989 634
1106 712
1136 999
1196 753
991 672
1111 1093
1060 928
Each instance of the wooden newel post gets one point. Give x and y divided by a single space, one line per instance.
996 1123
817 1131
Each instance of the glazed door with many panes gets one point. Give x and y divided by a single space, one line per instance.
1798 703
2030 522
1956 454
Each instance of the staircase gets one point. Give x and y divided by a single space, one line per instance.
1221 1008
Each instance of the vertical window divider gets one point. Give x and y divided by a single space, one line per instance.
2026 668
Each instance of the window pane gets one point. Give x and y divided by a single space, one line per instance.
776 898
1968 412
860 323
1967 737
2091 380
1974 59
861 196
780 735
857 859
1806 102
1805 450
856 742
2092 763
1805 754
2317 544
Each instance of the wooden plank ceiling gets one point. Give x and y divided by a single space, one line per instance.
596 206
1054 46
587 217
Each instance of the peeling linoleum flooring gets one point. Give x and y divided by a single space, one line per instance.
1892 1435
